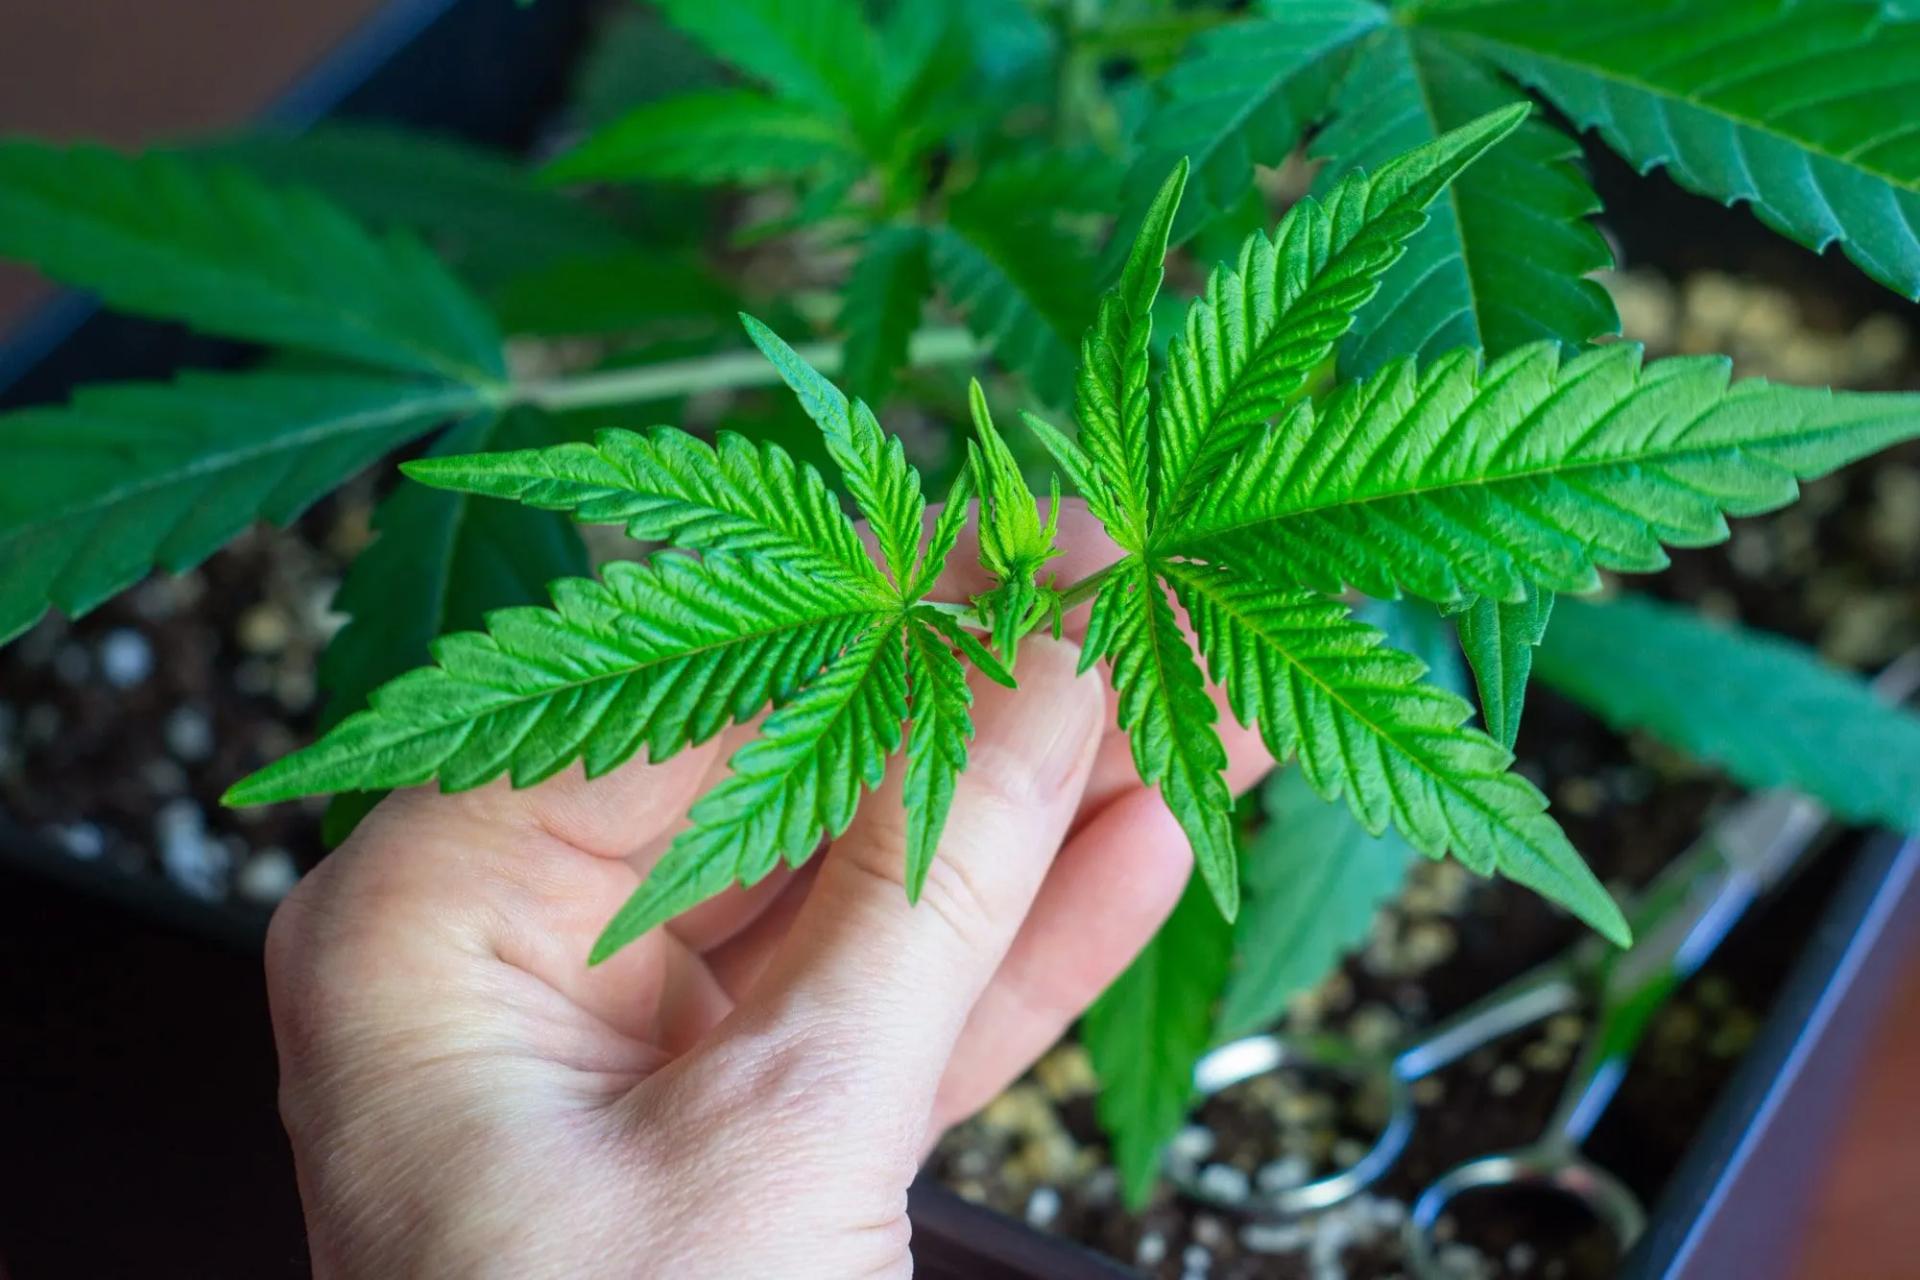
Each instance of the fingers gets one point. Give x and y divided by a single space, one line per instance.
862 976
1109 891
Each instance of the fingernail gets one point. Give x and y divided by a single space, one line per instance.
1034 740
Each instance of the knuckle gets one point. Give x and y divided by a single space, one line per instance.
954 894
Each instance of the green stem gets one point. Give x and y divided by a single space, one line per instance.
726 371
1085 588
1071 595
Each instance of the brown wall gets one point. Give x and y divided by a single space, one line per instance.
131 71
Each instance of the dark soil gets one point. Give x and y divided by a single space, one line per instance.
119 732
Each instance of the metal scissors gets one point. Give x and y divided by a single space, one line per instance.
1678 922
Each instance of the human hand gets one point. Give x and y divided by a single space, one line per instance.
745 1092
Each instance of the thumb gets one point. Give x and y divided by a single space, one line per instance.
864 976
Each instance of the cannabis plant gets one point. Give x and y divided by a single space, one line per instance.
1379 437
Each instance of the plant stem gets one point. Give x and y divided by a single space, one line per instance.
720 372
1074 593
1084 589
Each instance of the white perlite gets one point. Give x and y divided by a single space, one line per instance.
1043 1206
189 735
267 876
191 858
126 659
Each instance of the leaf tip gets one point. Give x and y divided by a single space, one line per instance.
254 789
758 332
1609 922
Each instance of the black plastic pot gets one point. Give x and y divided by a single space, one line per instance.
484 69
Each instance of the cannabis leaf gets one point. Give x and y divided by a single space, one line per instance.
664 485
782 605
715 135
1112 388
661 655
1262 327
1505 259
97 492
1364 725
481 208
1458 479
803 775
1360 721
1770 711
163 236
1802 109
874 463
1315 877
1014 545
1020 281
1499 638
1145 1033
1168 716
880 308
1243 95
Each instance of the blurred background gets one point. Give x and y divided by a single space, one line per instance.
137 1124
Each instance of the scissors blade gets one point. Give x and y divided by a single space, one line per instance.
1762 837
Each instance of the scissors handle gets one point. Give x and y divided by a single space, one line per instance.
1535 996
1551 1168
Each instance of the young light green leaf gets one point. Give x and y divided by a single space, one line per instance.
962 639
1314 881
881 308
1499 639
1263 326
1456 479
658 655
947 527
873 462
937 739
667 486
1802 109
1244 94
1505 258
1169 718
1145 1033
799 780
1365 726
1769 711
1014 544
1062 448
710 136
124 478
216 248
1111 399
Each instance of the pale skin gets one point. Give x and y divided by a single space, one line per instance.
747 1091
